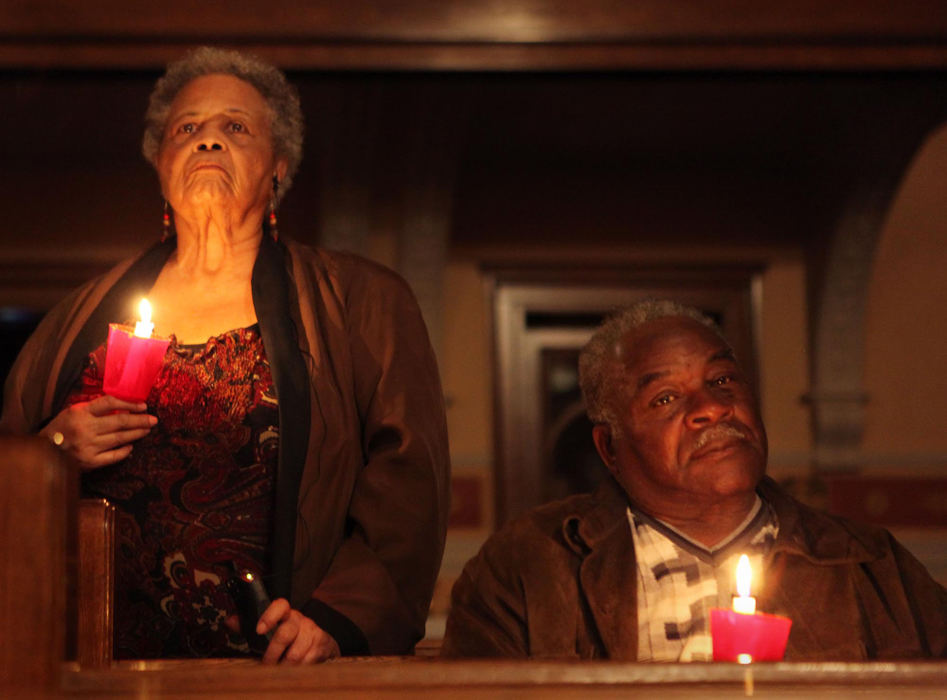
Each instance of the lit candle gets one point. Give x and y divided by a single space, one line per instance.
742 634
133 359
144 327
743 602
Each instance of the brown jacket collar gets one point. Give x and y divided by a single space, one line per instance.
818 537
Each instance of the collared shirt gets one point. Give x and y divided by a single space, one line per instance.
680 580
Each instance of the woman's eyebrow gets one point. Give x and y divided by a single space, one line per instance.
228 110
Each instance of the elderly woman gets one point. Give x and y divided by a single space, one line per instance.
297 425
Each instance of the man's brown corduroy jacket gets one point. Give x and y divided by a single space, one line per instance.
560 582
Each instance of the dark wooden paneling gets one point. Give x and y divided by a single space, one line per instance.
528 21
697 56
485 35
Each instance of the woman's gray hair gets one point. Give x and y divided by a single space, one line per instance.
282 100
599 370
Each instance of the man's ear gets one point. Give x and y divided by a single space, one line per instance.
602 437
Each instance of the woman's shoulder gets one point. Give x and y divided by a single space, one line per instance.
87 294
40 357
344 269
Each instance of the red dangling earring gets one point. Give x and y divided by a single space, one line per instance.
165 223
274 232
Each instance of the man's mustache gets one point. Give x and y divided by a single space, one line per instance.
721 431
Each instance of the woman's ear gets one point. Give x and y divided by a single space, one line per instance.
281 167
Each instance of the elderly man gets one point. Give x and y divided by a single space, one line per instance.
632 571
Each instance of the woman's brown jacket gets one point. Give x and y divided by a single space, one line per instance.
363 483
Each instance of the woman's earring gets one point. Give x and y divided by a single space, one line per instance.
165 223
274 232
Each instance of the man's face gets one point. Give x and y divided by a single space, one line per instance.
689 433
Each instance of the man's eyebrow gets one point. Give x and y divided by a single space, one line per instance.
646 379
724 354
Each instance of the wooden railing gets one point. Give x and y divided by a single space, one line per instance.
96 583
487 35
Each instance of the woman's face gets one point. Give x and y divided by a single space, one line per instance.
216 152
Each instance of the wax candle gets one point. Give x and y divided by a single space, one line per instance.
742 634
133 358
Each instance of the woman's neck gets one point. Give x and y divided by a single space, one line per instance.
211 248
205 287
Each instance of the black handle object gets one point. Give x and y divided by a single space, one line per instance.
251 599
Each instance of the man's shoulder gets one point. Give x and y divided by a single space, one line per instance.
821 534
543 526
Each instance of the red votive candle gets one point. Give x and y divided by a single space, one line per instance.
746 638
133 358
744 635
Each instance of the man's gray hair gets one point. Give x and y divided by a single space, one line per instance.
282 100
599 371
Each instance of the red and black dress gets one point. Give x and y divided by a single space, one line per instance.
195 494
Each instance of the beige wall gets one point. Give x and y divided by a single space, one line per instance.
784 366
906 348
467 374
906 336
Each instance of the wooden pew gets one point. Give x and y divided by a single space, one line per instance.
37 541
96 583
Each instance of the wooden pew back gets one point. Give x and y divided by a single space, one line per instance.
37 506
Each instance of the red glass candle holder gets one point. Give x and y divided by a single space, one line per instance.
739 637
132 363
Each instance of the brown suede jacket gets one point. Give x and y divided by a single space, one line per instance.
363 478
560 581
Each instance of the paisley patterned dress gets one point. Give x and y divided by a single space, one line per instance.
194 495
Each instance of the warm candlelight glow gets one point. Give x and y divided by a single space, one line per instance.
742 634
144 327
743 602
744 576
133 360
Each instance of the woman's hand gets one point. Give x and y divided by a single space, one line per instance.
100 432
297 639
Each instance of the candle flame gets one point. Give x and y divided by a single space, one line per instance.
144 308
744 574
144 327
